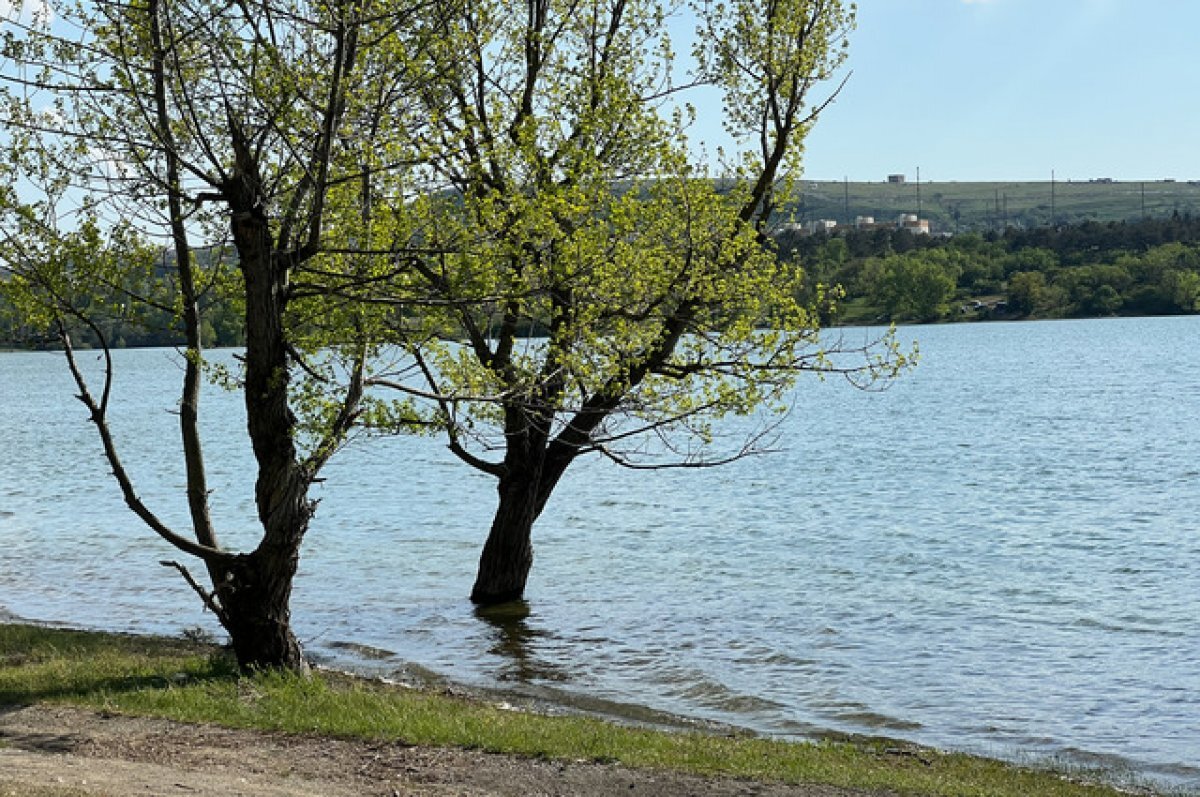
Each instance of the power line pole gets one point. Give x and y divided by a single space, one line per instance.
1053 212
918 192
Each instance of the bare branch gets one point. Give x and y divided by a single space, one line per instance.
139 508
210 600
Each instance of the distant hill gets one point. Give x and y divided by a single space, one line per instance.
965 207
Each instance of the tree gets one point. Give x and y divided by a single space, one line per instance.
1182 290
226 141
594 291
916 285
1096 290
1025 289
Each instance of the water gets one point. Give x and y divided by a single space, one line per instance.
997 555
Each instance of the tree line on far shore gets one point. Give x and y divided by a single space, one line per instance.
1093 269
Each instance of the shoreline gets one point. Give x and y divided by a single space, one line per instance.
1121 771
391 669
90 713
1118 771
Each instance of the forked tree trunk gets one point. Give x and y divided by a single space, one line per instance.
256 593
508 553
255 598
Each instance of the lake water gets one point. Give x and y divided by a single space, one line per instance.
999 554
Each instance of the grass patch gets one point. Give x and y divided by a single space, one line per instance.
193 682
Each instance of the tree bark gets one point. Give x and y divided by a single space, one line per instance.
255 593
507 555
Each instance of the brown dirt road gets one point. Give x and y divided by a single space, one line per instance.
53 750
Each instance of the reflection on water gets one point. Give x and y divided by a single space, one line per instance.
516 642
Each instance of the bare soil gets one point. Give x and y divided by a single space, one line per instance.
50 750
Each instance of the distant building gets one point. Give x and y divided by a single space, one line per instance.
906 221
910 222
807 228
896 178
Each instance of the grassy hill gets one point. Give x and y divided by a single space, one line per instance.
962 207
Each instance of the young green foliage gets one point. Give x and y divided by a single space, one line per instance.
222 143
590 287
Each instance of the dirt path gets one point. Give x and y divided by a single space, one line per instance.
69 750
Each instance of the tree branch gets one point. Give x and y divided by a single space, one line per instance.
209 599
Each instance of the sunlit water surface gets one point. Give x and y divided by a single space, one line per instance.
999 554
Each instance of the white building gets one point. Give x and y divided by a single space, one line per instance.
910 222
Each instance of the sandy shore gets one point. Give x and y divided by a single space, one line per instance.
78 752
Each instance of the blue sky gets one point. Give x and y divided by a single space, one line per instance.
1012 89
1005 90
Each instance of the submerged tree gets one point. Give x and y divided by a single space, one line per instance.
211 144
595 291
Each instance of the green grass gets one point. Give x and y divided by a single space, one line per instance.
191 682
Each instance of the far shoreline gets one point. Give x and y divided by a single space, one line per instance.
857 323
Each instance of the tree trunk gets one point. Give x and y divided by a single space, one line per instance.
255 594
508 553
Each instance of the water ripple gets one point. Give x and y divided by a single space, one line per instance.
998 554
